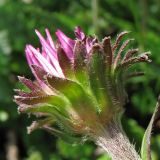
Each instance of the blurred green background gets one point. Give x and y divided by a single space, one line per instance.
19 18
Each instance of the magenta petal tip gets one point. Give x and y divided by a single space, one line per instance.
79 33
66 43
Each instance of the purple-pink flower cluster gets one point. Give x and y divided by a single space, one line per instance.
47 57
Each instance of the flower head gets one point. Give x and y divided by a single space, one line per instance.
79 84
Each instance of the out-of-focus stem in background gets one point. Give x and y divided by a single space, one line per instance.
11 146
144 17
95 6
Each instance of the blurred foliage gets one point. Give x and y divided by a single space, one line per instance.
19 18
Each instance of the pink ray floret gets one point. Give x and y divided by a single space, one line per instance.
66 43
79 33
46 59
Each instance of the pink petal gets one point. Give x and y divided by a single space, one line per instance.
46 45
79 33
90 41
50 53
44 63
30 57
49 38
66 43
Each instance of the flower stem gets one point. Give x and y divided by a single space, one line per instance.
114 141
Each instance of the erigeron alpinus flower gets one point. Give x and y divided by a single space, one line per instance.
79 87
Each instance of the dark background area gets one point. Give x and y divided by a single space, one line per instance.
19 19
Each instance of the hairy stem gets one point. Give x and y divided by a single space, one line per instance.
114 141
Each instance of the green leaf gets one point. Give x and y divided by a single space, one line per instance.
35 155
104 157
75 152
145 148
